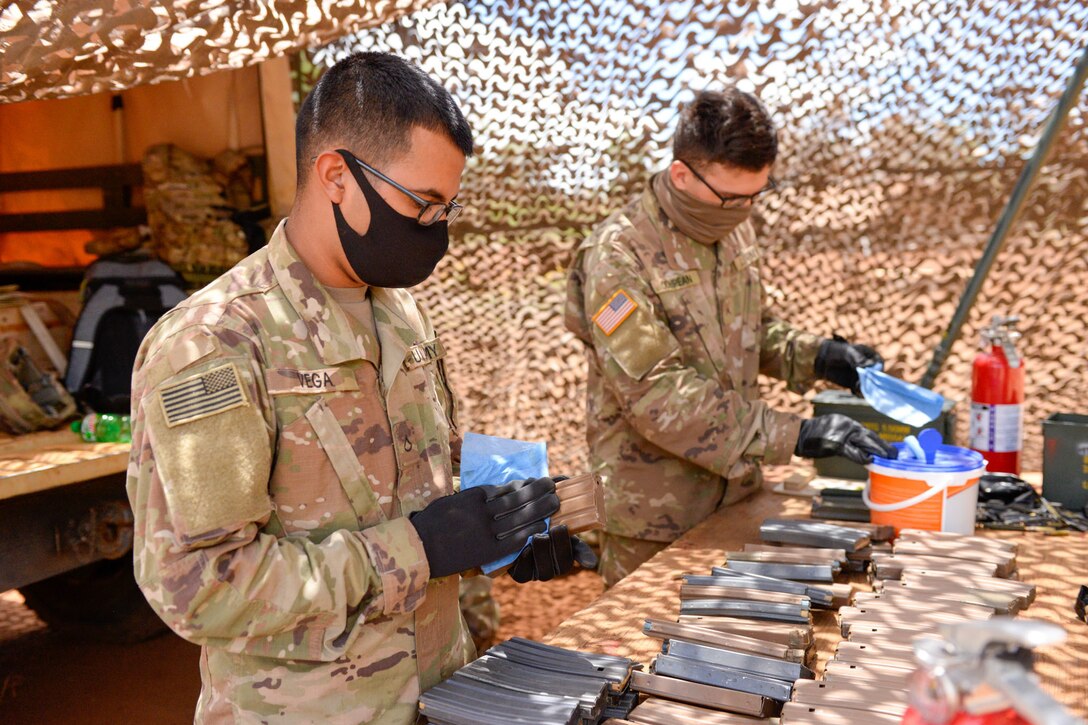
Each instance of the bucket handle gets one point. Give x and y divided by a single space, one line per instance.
887 507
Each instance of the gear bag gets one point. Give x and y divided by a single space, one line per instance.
123 298
30 398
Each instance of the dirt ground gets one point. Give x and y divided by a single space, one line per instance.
48 678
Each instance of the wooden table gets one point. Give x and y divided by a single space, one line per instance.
40 461
54 489
612 624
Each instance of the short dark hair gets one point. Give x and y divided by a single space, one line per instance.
728 127
370 102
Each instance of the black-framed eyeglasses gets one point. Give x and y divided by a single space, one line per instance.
731 201
429 211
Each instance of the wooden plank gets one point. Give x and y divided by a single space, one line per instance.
81 177
613 623
85 219
50 459
278 118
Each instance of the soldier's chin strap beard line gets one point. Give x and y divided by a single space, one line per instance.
396 251
703 222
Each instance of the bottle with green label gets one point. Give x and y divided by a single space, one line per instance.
104 428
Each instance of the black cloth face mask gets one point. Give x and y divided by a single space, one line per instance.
396 251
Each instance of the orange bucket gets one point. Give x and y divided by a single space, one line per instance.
909 493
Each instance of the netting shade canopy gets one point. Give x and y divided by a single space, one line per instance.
54 49
903 127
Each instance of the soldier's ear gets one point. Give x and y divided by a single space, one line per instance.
330 174
680 174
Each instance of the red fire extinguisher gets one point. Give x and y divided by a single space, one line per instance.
980 673
997 397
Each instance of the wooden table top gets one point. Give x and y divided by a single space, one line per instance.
612 624
40 461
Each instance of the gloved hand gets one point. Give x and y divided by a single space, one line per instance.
837 435
837 361
551 554
478 525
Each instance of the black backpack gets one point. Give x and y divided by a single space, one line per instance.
123 298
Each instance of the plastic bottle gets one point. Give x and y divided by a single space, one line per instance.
104 428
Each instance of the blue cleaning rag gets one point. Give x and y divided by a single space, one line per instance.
899 400
487 460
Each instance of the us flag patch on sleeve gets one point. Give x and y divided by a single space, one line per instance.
213 392
614 312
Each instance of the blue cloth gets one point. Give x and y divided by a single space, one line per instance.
899 400
490 461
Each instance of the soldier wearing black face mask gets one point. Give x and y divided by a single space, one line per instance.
294 438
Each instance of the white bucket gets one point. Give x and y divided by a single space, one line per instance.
911 494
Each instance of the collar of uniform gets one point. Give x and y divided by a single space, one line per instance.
327 325
400 327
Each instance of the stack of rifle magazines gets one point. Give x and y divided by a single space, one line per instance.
932 578
744 639
722 671
859 541
521 682
840 504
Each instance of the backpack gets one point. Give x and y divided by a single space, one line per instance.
124 297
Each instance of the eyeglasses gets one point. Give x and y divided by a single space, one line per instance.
429 211
730 201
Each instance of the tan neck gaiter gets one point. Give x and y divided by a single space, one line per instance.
705 223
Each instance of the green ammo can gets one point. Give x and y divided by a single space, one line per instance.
1065 460
841 401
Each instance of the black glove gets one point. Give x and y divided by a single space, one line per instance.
551 554
837 361
837 435
482 524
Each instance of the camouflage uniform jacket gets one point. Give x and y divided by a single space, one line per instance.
260 533
674 419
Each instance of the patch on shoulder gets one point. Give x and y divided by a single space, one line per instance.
210 393
612 313
190 348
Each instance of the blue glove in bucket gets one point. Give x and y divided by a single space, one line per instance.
490 461
899 400
928 485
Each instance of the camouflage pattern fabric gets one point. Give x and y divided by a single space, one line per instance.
263 531
31 398
480 610
189 200
675 425
62 49
621 555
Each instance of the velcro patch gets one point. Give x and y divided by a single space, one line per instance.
675 280
424 352
288 381
209 393
748 257
614 312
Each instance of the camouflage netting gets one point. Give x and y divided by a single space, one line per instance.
904 127
58 49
